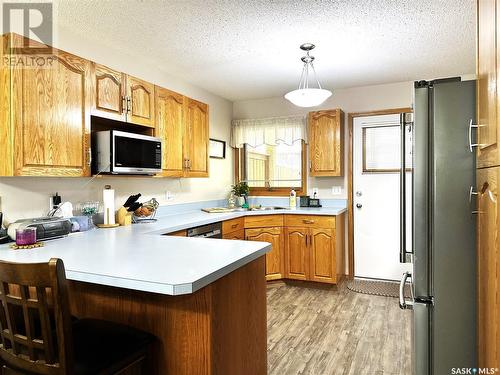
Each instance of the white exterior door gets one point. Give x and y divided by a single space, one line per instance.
376 197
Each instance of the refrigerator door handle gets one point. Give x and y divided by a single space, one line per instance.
404 256
403 303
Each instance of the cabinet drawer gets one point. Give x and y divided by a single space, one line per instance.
237 235
233 225
179 233
310 221
262 221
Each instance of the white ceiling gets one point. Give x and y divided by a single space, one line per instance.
249 49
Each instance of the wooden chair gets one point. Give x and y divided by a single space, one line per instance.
39 336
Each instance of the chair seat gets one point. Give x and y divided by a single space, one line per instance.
101 345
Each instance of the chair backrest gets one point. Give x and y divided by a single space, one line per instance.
35 322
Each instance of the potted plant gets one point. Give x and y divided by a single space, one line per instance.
241 190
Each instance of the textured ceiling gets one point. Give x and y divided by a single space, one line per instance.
249 49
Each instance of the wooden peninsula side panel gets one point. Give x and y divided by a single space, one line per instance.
220 329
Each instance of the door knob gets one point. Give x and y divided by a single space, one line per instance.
359 205
359 193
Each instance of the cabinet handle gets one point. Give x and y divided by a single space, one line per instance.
89 157
306 221
129 104
234 226
124 104
189 163
310 165
472 145
306 239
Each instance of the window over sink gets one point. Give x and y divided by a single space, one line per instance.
271 154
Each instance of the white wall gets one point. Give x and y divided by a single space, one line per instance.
357 99
27 197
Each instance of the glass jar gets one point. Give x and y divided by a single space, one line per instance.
25 236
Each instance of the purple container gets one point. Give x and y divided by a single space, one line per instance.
25 236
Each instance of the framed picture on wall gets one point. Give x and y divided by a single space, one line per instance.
217 149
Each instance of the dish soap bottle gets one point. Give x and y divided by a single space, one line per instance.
293 199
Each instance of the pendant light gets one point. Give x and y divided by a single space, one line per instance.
306 96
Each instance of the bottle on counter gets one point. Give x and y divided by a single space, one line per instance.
293 199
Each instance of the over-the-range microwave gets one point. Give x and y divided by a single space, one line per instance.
120 152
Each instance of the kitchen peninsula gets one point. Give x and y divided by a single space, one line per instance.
204 299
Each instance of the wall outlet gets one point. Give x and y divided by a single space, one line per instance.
314 191
336 190
168 195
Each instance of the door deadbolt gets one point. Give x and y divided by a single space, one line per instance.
359 205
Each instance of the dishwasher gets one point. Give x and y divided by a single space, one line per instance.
206 231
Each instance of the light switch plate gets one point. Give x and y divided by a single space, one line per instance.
336 190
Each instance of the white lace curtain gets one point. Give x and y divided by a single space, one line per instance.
270 131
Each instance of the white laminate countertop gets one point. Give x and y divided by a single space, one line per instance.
137 257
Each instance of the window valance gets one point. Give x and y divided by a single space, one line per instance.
270 131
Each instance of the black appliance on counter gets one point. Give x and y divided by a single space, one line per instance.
306 201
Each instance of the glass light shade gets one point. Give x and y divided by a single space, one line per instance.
308 97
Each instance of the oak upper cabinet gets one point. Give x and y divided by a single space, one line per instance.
326 143
47 131
488 268
109 93
140 102
296 253
196 139
275 258
488 35
170 128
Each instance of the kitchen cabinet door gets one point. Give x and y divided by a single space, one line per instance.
51 118
296 253
237 235
140 102
275 258
322 256
488 268
487 83
170 128
326 143
196 139
109 93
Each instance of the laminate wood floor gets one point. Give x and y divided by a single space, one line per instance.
334 331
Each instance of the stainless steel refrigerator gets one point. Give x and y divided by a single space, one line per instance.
443 246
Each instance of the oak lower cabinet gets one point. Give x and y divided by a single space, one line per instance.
314 248
236 235
488 268
45 120
326 142
275 258
297 254
310 255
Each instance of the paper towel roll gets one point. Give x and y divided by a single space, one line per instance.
108 202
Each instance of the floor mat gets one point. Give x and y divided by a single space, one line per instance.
377 287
